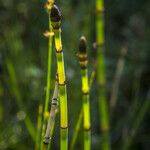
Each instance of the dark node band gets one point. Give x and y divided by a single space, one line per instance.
82 59
56 27
55 99
62 84
84 67
87 129
54 104
46 140
85 93
100 11
64 127
60 51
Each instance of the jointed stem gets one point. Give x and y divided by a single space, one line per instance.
103 106
48 79
56 21
38 131
53 111
79 121
85 91
76 131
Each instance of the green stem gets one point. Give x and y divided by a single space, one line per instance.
103 106
53 112
48 84
39 125
85 93
56 21
79 121
76 131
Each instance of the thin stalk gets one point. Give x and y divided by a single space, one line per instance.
103 106
53 111
19 100
85 91
117 78
133 109
79 121
56 21
76 131
51 134
48 84
137 122
39 125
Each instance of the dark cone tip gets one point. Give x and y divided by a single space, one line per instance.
82 45
55 14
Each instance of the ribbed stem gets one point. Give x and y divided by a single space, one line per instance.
48 84
56 18
79 121
76 131
85 91
39 124
103 106
53 111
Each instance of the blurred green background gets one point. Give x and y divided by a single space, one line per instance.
23 67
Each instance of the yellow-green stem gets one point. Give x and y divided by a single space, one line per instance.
39 124
85 93
56 21
79 121
86 110
76 131
103 106
48 84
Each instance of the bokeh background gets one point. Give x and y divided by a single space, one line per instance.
23 68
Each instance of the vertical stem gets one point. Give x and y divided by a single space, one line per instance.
48 84
76 131
79 121
52 116
117 78
56 21
103 106
85 91
39 124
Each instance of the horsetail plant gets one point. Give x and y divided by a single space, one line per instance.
49 34
76 131
85 91
80 118
53 111
117 78
103 106
56 22
39 124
